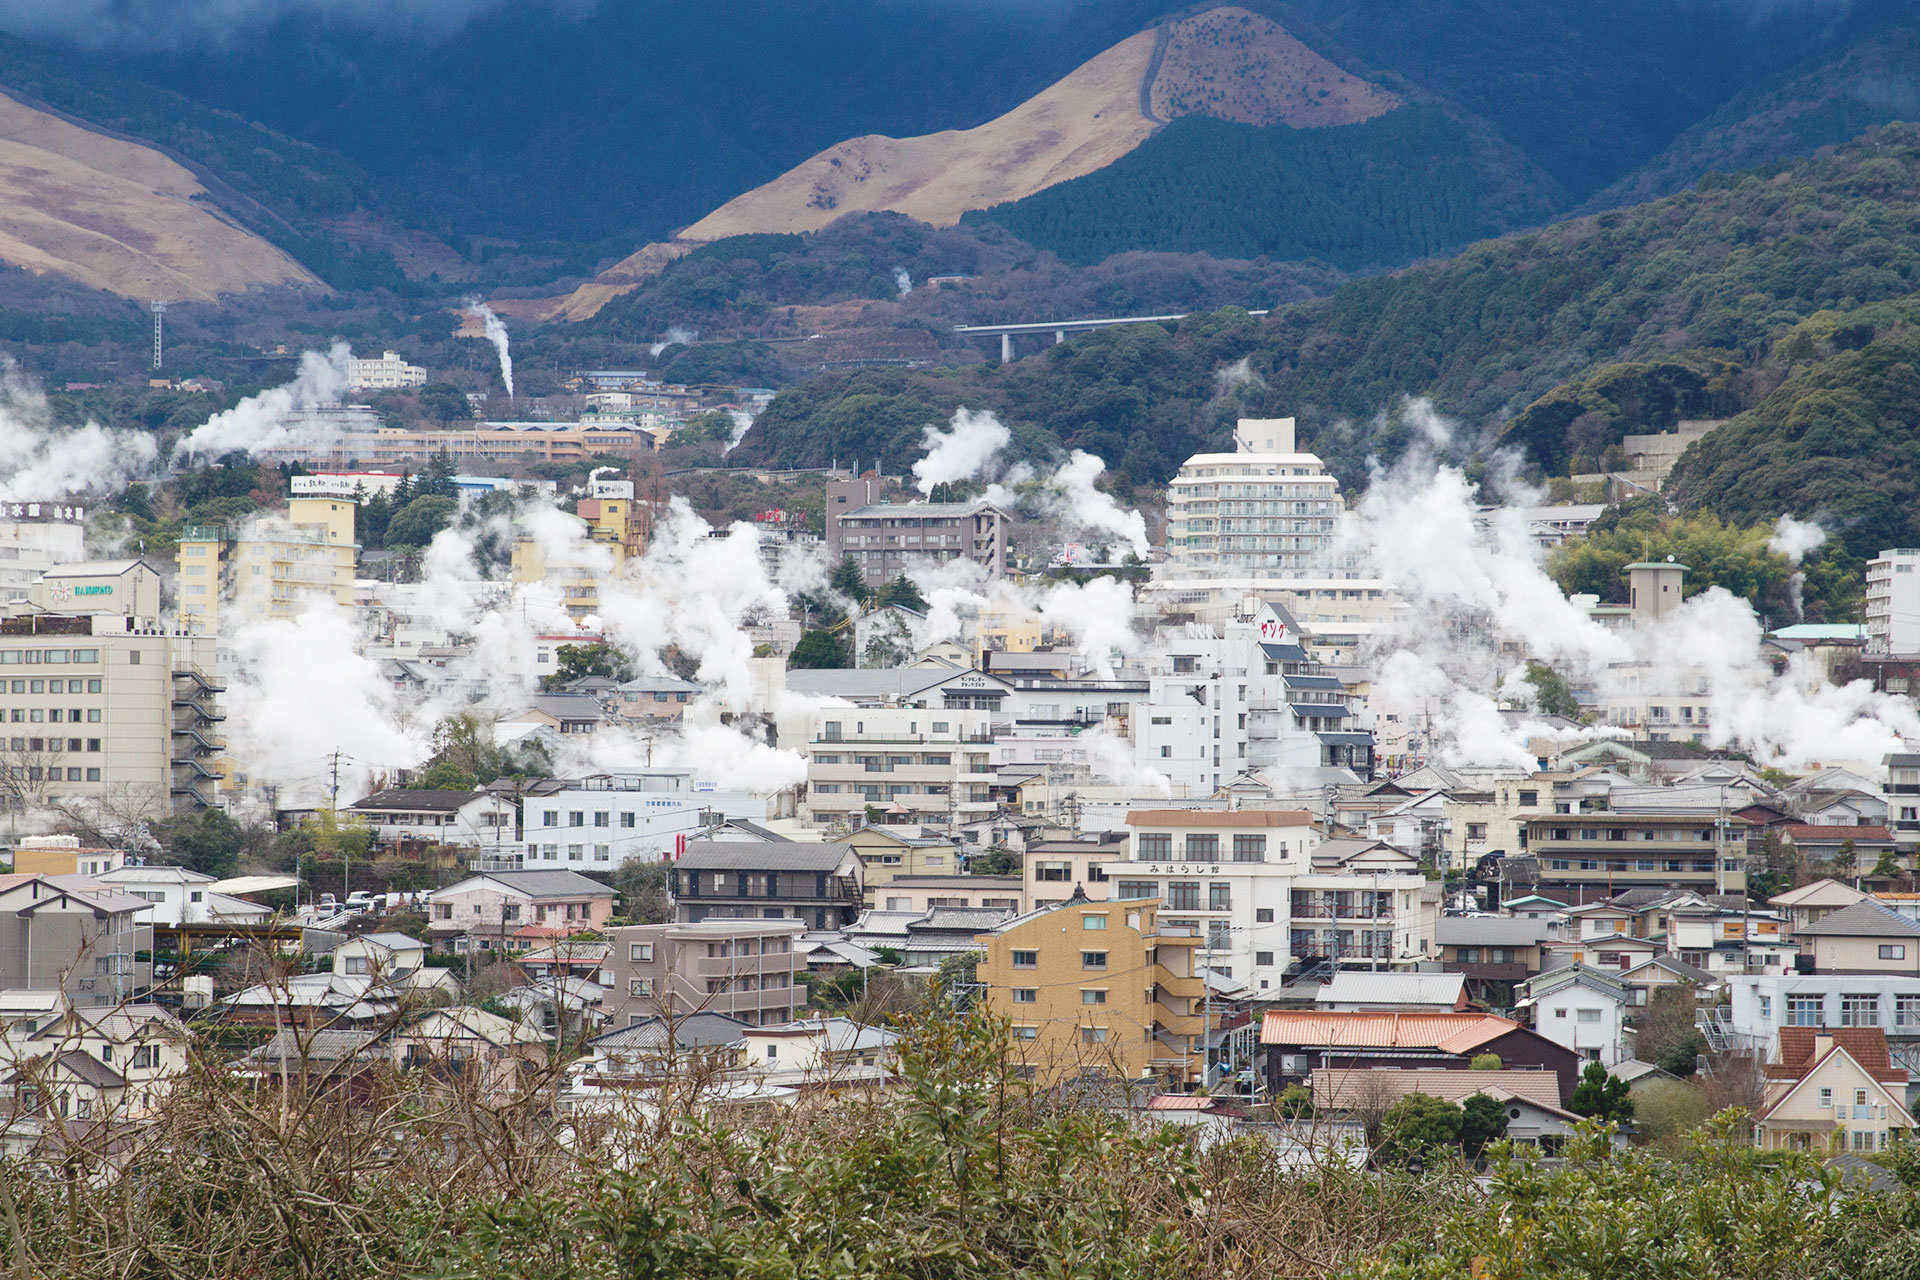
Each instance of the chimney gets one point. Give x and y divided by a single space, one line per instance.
1822 1044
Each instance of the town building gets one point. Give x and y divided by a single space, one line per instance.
388 373
102 702
1893 603
1592 856
1247 697
1055 870
1531 1100
890 852
516 910
1833 1090
269 567
1102 989
597 822
818 884
91 943
495 1056
181 895
1298 1043
925 893
885 539
403 816
353 436
1758 1007
1582 1009
747 969
904 765
64 856
1867 937
36 537
819 1052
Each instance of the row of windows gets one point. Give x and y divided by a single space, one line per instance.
94 685
1157 846
575 852
52 657
34 773
1859 1009
1638 864
52 715
75 745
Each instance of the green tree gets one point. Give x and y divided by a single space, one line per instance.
1483 1121
575 661
1551 692
901 591
1295 1103
444 402
1417 1127
645 887
443 775
846 579
1601 1095
821 649
415 524
1485 1062
208 841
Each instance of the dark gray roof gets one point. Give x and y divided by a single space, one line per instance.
416 801
1311 682
758 855
1284 652
546 884
1488 931
84 1065
329 1046
568 706
695 1031
1867 919
961 919
1679 968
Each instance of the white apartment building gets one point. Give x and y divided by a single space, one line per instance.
913 764
1248 884
1893 602
596 823
388 373
181 895
1263 521
1249 696
1760 1004
100 704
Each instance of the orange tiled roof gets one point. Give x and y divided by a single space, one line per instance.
1445 1032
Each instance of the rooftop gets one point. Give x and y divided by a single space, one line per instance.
1219 818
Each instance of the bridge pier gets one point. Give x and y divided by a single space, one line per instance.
1059 336
1006 348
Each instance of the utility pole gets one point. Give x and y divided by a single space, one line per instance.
334 808
159 308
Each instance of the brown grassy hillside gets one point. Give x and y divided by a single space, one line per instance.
119 216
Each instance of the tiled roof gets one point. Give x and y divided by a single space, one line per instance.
761 855
1865 919
1356 987
1445 1032
1808 831
416 801
1865 1045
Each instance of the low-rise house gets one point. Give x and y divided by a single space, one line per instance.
1815 901
654 698
1833 1089
142 1045
747 969
820 885
333 1000
820 1052
1535 1113
655 1049
1582 1010
567 958
469 819
390 956
1867 937
889 853
564 1007
325 1058
1664 972
1493 949
181 895
64 856
495 1055
1297 1043
1853 849
75 936
1101 989
487 910
924 893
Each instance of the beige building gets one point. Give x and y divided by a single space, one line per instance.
911 765
1833 1089
105 707
272 567
885 538
1867 937
746 969
1097 989
486 442
892 852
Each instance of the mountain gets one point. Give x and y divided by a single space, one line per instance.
121 217
1226 64
1505 336
1866 84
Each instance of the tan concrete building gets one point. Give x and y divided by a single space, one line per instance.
746 969
885 538
1097 989
912 765
272 567
892 852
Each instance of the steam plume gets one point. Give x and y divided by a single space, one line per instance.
266 421
675 336
1795 539
902 281
497 335
40 461
961 452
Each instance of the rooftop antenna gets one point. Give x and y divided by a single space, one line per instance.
159 307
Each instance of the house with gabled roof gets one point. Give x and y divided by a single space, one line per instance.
1867 937
1581 1009
1833 1089
1296 1043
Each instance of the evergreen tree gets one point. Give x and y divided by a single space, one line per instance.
1601 1095
847 581
1483 1121
819 650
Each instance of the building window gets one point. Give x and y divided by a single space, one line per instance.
1026 1033
1805 1011
1826 1096
1026 959
640 986
640 952
1250 848
1093 995
1589 1015
1263 915
1153 846
1263 958
1026 995
1219 897
1093 1035
1089 921
1093 959
1128 889
1859 1010
1203 848
1893 951
1183 895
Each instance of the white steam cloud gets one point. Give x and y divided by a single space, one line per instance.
1796 539
496 333
674 336
962 451
275 418
41 461
742 423
902 281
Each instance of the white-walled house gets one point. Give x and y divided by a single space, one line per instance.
389 956
181 895
1581 1009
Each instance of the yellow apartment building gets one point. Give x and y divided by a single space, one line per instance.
272 567
1097 989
